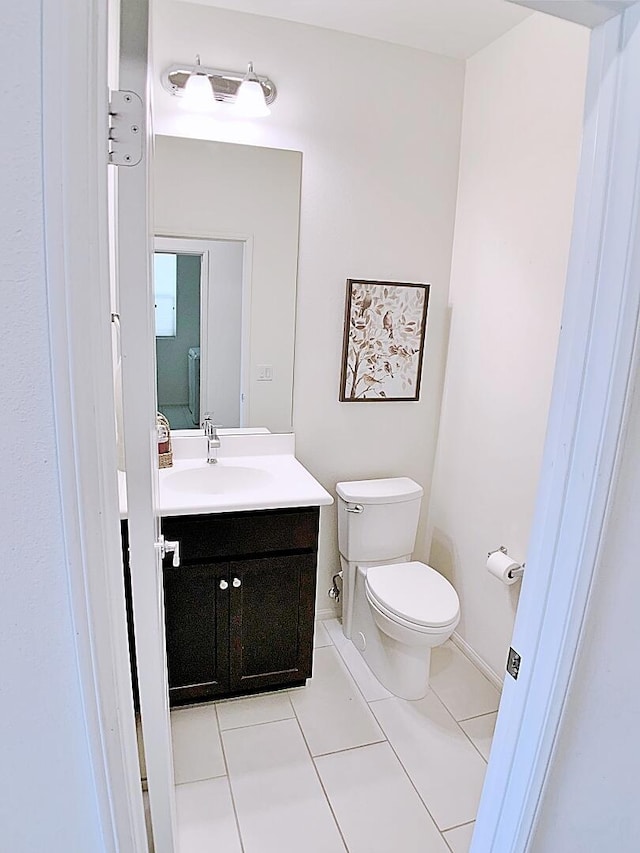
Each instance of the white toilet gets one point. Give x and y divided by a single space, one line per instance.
395 610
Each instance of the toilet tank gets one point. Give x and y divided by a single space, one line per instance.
378 519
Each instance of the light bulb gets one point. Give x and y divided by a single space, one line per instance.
198 94
250 100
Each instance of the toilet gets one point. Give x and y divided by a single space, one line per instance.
395 609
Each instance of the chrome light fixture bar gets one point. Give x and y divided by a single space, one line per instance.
224 84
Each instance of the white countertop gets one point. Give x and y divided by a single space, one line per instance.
281 482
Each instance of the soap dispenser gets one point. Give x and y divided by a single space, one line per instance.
165 452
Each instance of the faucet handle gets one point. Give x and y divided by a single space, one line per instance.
210 429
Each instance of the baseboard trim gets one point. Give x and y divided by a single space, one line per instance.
475 658
326 613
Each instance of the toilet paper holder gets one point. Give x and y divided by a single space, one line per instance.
514 573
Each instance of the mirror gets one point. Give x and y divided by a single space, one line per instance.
226 220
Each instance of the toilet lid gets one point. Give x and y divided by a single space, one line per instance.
415 592
389 490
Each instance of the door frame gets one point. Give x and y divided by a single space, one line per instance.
586 419
590 398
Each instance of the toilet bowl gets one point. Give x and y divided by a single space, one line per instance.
395 609
412 603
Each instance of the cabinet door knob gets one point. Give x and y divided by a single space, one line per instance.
237 582
224 584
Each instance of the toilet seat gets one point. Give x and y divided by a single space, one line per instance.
413 594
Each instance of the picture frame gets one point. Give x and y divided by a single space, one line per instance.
383 342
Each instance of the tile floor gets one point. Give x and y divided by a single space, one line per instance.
340 764
179 417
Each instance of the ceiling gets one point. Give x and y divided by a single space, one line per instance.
456 28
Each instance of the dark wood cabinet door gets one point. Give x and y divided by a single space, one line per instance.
272 617
196 601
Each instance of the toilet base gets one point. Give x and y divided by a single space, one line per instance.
403 670
401 667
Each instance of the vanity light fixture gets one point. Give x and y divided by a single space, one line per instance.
249 94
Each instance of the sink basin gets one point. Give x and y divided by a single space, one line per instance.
217 479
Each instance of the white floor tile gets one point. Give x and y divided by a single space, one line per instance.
321 636
197 753
205 817
334 629
375 804
332 713
459 839
254 710
279 800
480 730
445 768
369 685
461 686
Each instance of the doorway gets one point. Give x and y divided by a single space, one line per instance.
620 363
201 331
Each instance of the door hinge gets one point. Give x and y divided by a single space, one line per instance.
513 663
126 120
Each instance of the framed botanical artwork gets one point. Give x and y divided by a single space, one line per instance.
384 328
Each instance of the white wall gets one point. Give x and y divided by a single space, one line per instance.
379 129
521 134
48 797
590 800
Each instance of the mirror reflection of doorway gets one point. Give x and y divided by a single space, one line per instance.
177 310
199 331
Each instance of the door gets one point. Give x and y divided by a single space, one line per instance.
130 206
587 416
197 631
272 617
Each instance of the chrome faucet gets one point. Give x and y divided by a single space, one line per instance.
213 440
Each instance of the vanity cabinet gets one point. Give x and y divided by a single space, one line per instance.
239 610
